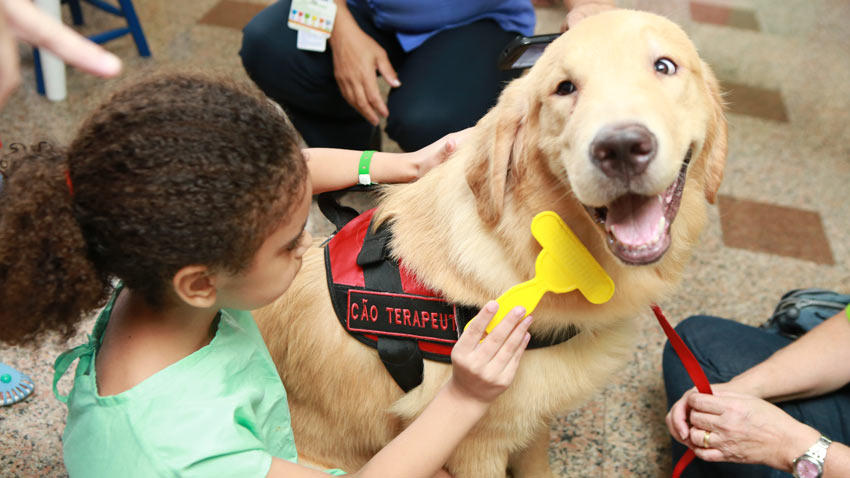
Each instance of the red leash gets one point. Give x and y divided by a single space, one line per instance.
694 371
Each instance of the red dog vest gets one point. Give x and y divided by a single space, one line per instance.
383 305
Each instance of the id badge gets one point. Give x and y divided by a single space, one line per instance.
316 16
310 41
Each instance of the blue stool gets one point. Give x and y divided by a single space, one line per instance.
124 9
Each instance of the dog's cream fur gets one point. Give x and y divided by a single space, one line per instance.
464 230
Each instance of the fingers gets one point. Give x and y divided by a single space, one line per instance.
706 403
709 454
385 68
676 421
41 30
674 427
373 97
513 364
10 74
705 421
354 93
484 369
449 148
507 357
678 416
701 437
585 10
364 96
475 330
497 337
462 135
454 140
356 58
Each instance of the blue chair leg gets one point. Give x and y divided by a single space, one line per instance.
76 11
135 27
39 76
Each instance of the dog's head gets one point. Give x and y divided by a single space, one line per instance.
622 113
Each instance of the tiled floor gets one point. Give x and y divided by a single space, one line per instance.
780 222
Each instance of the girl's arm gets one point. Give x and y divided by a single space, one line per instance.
482 368
333 169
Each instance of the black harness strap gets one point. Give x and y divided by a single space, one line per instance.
336 213
401 357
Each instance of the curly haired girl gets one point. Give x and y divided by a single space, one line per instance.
191 195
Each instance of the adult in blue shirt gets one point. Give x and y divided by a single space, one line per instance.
440 58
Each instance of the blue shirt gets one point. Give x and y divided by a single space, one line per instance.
415 21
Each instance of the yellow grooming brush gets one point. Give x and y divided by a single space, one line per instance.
563 265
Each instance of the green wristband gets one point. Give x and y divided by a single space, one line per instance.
363 176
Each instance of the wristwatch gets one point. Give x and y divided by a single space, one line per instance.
810 464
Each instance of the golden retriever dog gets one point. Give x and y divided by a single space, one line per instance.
619 128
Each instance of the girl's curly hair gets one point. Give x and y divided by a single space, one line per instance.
172 171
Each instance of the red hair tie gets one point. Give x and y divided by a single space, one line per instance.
68 182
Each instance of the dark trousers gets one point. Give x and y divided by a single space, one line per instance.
448 82
724 349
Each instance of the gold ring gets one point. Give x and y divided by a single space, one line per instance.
706 440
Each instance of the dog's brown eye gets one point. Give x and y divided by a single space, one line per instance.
665 66
565 88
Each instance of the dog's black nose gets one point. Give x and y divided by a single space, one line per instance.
624 150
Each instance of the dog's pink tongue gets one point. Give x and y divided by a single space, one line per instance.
634 220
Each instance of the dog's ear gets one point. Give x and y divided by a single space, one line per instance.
714 148
489 167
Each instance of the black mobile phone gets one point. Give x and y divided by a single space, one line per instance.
523 51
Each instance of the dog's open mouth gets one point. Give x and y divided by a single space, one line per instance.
638 227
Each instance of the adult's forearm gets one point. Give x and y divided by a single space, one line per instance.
816 363
837 463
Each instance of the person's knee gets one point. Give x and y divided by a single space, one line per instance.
690 330
723 348
415 127
696 326
262 41
253 36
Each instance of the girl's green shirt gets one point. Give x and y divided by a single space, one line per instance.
219 412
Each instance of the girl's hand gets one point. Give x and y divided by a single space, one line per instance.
484 367
435 153
746 429
582 9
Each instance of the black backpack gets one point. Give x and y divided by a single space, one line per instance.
801 310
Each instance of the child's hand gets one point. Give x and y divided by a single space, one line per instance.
582 9
426 158
483 369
